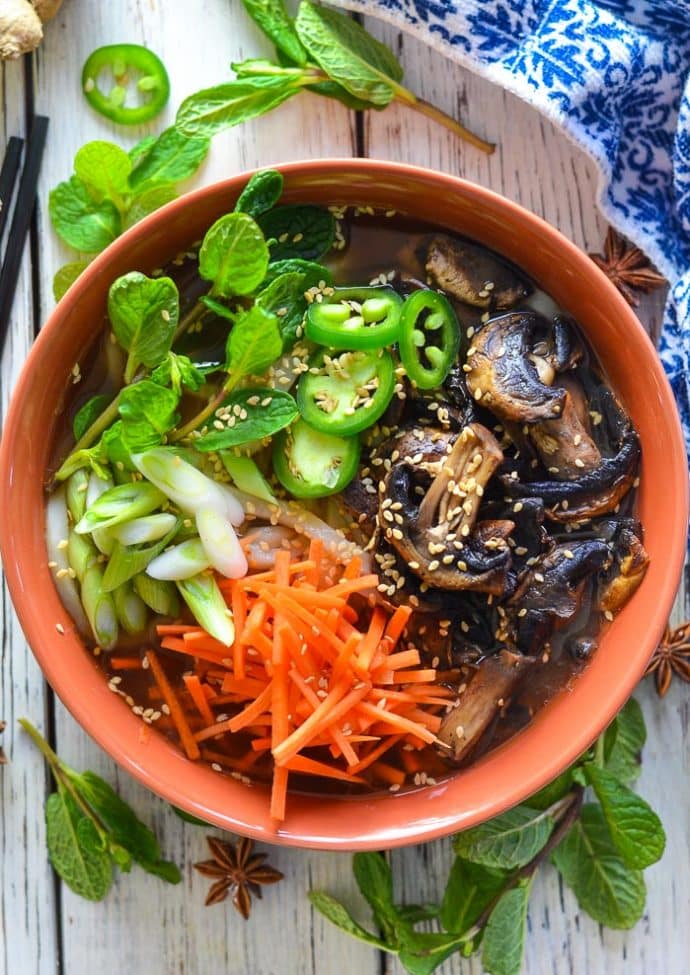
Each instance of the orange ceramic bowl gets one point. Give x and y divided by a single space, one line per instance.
564 728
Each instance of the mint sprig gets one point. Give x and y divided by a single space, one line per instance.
90 830
600 849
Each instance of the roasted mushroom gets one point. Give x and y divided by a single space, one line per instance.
428 513
471 274
628 571
497 677
565 444
506 377
550 595
594 493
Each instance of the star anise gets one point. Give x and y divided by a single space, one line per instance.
672 656
239 872
627 267
3 757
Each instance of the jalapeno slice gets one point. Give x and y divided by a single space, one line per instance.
123 61
356 318
311 464
346 392
429 338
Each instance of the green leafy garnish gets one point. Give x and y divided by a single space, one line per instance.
90 829
65 277
87 413
234 255
143 313
253 344
298 231
172 158
251 414
598 848
84 223
274 20
262 192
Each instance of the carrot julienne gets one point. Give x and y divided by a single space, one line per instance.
317 680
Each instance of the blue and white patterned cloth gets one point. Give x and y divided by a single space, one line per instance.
615 76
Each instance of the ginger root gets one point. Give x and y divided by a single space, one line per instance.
21 25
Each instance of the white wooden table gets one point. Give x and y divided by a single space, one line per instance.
144 925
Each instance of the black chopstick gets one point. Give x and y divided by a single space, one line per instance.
8 176
21 218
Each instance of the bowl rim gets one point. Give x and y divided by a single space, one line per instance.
393 829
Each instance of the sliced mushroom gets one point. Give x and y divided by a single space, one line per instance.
631 561
565 444
550 595
504 375
593 494
496 679
431 523
472 274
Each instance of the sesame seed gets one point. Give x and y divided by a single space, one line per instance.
60 628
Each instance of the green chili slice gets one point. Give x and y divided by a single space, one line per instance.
429 338
125 62
356 318
311 464
344 393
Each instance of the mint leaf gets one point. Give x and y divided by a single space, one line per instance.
178 371
348 54
65 277
85 870
254 343
507 841
172 157
124 827
143 313
470 889
234 255
623 742
555 790
81 221
262 192
273 19
104 168
589 862
504 935
375 881
262 412
635 828
142 148
315 275
148 201
284 296
298 230
422 952
87 413
208 112
334 911
146 406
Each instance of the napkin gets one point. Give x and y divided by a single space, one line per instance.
614 75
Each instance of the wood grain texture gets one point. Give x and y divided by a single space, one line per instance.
28 926
145 926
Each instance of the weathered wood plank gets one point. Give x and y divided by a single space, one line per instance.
28 904
535 165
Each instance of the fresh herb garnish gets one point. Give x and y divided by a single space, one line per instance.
599 848
89 829
321 50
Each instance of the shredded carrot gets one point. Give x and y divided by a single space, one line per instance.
312 688
196 691
176 710
125 663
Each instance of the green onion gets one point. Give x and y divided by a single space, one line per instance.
130 608
180 562
185 485
76 494
142 530
120 503
205 600
99 607
246 475
158 595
